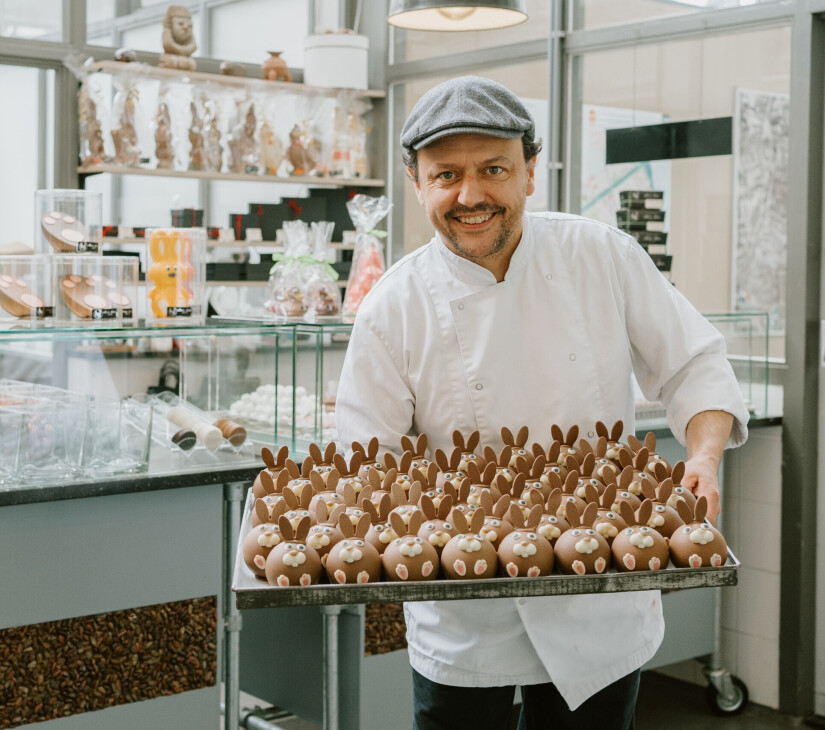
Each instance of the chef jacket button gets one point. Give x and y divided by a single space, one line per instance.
590 434
521 601
461 306
549 277
479 386
572 355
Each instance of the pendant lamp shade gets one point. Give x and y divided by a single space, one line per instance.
452 15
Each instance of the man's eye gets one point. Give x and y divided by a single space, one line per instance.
446 175
495 169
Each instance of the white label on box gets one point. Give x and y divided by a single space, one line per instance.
125 232
226 235
254 234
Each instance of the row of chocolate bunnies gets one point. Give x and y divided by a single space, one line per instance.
518 512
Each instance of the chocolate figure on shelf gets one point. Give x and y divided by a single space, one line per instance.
178 39
91 135
272 149
196 141
163 137
275 68
304 152
213 149
242 144
125 136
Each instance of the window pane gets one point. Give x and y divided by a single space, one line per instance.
529 81
42 20
412 45
246 30
20 152
600 13
726 214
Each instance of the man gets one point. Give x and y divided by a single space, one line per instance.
507 319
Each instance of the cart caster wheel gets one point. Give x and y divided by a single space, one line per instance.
728 706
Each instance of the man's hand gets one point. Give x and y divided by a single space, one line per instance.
707 434
701 479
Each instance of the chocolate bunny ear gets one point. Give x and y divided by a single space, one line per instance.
571 514
490 454
358 448
625 457
589 514
700 511
507 436
571 481
588 464
345 525
625 478
472 441
362 527
292 469
329 451
514 516
442 460
347 493
445 506
485 501
591 494
464 490
267 482
664 491
385 505
372 448
473 473
455 458
371 510
609 496
269 458
291 499
334 514
641 459
283 478
390 462
398 524
648 490
399 496
572 435
601 447
459 521
476 521
553 452
458 439
684 511
501 507
416 520
405 463
421 444
678 473
601 430
321 511
432 473
315 453
616 431
650 442
522 436
317 482
415 492
553 502
634 443
406 444
660 471
627 513
262 511
534 517
557 433
307 466
586 448
537 468
488 473
340 463
365 495
333 477
645 510
305 494
285 528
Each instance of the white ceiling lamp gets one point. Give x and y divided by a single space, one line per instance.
451 15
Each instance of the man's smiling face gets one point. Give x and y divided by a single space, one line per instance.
474 188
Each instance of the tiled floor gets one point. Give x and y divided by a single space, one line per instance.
664 703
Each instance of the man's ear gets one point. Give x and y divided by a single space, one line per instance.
531 176
411 176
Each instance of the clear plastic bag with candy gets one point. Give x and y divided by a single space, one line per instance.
288 275
368 258
323 296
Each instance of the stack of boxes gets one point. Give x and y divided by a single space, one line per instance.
642 217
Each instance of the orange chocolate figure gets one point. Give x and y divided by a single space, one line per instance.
171 270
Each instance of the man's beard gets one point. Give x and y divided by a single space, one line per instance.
506 230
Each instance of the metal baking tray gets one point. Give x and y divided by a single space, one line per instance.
252 592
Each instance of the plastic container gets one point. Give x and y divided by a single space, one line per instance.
68 221
97 289
336 59
117 436
176 275
27 289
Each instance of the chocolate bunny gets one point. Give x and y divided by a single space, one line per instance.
638 546
448 468
697 544
567 443
325 532
524 552
469 554
581 549
661 472
609 522
409 557
293 562
653 457
496 524
611 440
417 451
664 518
501 460
257 545
369 458
517 444
353 559
551 526
437 528
466 450
273 464
381 532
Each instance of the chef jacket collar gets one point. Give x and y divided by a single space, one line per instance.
473 273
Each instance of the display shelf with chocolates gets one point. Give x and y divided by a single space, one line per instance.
619 520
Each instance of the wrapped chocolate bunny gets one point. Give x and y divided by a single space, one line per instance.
288 274
322 294
368 259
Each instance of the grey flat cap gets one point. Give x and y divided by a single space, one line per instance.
469 104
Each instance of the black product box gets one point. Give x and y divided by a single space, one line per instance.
187 217
109 231
650 238
641 198
633 227
637 215
258 272
225 271
663 261
239 222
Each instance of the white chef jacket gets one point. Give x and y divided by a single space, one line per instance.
439 344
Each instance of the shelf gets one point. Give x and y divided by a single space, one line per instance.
317 182
143 70
225 244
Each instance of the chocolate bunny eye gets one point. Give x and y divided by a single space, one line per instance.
418 539
555 470
344 543
327 530
521 452
686 529
644 529
590 532
531 535
289 546
577 532
359 543
378 528
628 531
430 526
448 526
516 535
495 523
594 482
611 515
552 518
660 508
537 485
302 548
448 475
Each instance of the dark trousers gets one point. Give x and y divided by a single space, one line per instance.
441 707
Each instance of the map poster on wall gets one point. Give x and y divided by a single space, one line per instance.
760 204
601 182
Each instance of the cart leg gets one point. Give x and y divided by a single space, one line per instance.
331 614
233 495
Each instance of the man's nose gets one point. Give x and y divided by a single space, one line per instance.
471 191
